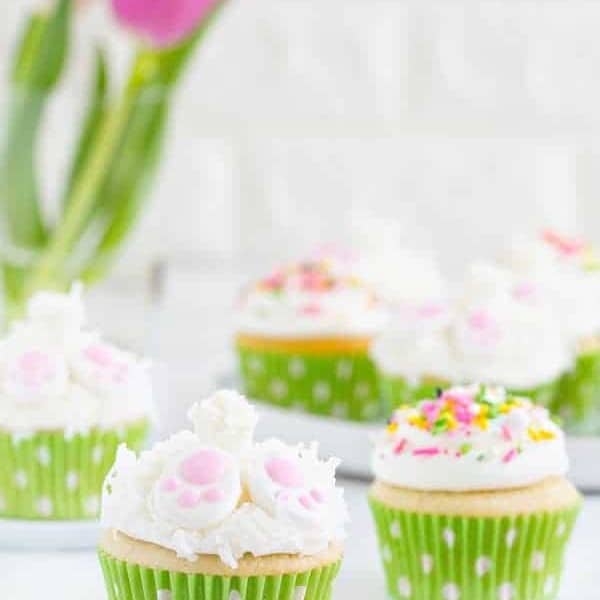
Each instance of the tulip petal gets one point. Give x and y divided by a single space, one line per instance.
162 22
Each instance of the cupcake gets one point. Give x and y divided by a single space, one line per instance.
213 515
568 271
67 400
303 337
470 500
499 330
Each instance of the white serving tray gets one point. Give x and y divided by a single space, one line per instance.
39 536
351 442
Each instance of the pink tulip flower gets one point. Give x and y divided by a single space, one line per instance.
163 22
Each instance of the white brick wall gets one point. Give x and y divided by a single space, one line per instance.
452 116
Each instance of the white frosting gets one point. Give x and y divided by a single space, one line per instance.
186 493
327 301
518 447
500 331
567 272
54 375
505 333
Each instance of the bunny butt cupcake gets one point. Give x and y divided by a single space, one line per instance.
67 399
568 270
500 331
303 338
213 514
470 499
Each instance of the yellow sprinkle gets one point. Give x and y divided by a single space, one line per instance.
481 421
451 422
540 435
418 421
506 408
392 427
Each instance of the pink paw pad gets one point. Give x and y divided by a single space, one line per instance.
284 472
203 468
213 495
99 355
187 499
169 484
307 502
317 496
35 367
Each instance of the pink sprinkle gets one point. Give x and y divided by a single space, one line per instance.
317 496
169 484
524 290
480 319
203 467
285 472
310 309
430 310
187 499
99 354
506 434
213 495
510 455
566 246
283 496
431 410
307 502
426 451
400 446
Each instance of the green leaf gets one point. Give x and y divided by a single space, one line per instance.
40 59
96 112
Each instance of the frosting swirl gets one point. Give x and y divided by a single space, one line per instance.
316 298
500 330
199 493
469 439
568 272
55 375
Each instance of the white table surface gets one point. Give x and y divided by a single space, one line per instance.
76 575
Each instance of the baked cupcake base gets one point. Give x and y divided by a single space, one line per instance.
500 545
329 377
136 570
50 476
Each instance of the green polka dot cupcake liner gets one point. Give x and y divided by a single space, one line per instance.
436 557
49 475
125 581
578 398
397 391
337 385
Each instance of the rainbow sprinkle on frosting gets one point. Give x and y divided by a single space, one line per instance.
477 419
573 248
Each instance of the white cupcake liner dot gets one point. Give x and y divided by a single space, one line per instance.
21 479
395 530
449 537
511 536
450 591
72 480
43 456
163 595
44 507
300 592
297 368
404 587
538 560
506 591
483 564
321 391
427 563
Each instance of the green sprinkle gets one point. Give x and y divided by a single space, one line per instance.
439 426
465 448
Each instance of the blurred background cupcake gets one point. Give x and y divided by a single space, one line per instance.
470 500
213 514
498 330
568 272
303 336
67 399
